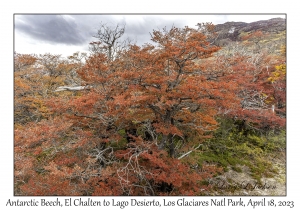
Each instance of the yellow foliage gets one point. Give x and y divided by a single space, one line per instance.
279 73
283 50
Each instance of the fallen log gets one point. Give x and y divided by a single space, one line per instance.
74 88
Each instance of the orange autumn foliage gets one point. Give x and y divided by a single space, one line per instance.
145 109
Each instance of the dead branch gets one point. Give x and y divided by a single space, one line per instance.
186 154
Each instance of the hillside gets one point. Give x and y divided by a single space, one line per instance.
234 30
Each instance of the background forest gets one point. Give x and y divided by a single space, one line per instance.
176 117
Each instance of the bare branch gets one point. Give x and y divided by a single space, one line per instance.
185 154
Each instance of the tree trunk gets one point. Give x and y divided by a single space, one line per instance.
171 147
162 144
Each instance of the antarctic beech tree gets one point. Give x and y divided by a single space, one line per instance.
157 99
36 78
161 84
260 78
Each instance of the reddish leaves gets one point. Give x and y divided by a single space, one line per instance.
146 106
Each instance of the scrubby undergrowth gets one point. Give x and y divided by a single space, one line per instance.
253 162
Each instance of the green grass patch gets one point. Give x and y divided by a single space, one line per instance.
234 147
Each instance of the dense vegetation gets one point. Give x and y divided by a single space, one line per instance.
157 119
